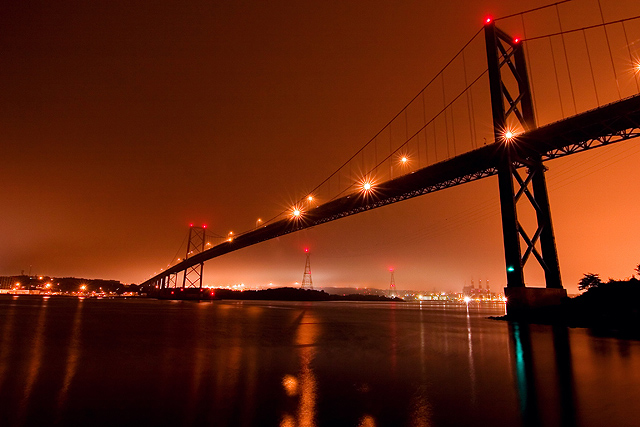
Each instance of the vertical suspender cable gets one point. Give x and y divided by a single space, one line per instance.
435 138
390 152
593 77
626 39
472 120
555 69
453 131
446 120
406 126
566 60
606 34
526 48
424 117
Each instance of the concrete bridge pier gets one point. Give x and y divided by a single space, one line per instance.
522 300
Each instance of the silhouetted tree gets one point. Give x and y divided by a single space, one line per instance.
638 269
590 280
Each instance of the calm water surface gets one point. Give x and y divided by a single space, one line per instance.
74 362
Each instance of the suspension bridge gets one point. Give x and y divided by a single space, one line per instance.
503 105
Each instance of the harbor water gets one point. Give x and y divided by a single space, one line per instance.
132 362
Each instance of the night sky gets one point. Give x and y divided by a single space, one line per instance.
122 122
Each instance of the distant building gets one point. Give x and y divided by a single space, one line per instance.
479 293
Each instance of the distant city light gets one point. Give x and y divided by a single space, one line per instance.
467 300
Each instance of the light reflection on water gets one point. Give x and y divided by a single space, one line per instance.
34 361
73 356
66 361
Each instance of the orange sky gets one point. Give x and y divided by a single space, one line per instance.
122 123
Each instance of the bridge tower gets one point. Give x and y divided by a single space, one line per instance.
392 286
307 283
512 110
197 239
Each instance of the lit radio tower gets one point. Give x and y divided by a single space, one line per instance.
307 283
392 286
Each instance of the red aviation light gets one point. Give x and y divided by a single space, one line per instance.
516 40
306 250
488 20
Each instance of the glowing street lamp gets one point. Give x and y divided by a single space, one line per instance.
258 222
311 201
508 135
367 186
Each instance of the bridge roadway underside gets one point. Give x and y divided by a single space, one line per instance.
602 126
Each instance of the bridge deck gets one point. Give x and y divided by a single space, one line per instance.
604 125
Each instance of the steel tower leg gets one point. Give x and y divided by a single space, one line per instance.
504 52
510 235
547 236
